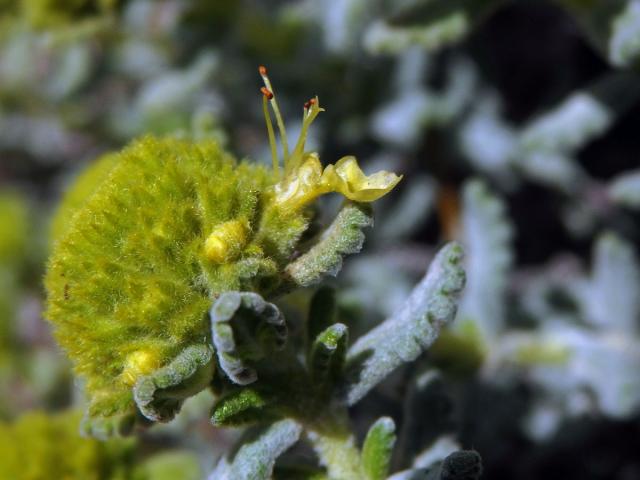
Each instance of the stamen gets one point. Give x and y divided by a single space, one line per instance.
298 152
272 138
274 104
266 93
310 103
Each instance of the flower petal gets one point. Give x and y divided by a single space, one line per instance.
347 178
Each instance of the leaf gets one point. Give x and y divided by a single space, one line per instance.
624 41
612 300
255 459
404 336
579 118
240 407
160 395
429 24
487 140
327 355
378 447
343 237
625 189
322 311
487 234
244 328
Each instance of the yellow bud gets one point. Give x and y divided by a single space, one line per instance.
141 362
226 241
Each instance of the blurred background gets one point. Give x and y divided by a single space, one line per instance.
515 125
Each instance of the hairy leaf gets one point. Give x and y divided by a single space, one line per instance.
239 407
322 311
255 459
404 336
487 235
244 328
625 189
343 237
612 300
160 395
378 447
327 355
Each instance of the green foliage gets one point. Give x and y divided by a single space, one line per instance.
377 449
327 355
322 311
240 407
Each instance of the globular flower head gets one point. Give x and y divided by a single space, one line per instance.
171 226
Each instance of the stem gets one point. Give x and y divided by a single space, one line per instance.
335 445
279 122
272 138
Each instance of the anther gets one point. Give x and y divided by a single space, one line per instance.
262 70
266 92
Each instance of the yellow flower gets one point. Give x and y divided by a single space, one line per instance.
304 179
309 181
347 178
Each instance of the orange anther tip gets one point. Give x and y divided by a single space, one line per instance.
262 69
312 101
267 93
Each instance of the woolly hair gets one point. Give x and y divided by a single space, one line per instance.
86 183
131 279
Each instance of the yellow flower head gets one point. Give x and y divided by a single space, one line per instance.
304 179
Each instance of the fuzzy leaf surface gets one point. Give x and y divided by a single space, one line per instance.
255 459
343 237
403 337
